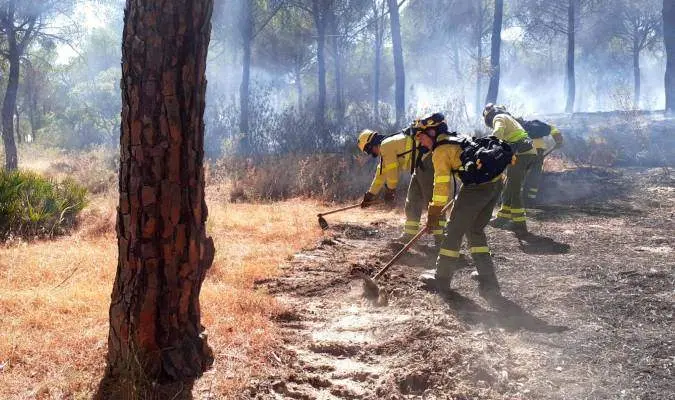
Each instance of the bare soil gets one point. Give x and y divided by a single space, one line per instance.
589 313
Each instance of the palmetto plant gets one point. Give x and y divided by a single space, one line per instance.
33 206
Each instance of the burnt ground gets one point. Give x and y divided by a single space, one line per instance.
589 312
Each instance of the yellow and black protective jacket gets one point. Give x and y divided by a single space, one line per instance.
398 154
447 162
509 130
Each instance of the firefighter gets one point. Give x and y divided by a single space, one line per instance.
511 214
538 131
471 212
398 154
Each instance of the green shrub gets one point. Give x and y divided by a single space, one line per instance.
33 206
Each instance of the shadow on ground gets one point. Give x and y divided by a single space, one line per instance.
508 315
535 244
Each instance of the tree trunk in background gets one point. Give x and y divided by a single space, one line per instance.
298 88
457 64
669 40
17 123
9 105
156 343
495 50
245 138
337 64
377 64
571 82
636 77
399 69
34 117
319 21
30 99
479 56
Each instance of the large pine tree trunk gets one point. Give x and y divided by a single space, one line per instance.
9 105
495 51
399 69
571 80
156 343
669 40
245 144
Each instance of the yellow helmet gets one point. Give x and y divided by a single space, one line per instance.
434 120
365 138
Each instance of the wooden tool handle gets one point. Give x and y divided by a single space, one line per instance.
409 244
400 253
339 209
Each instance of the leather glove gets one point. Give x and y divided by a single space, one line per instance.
433 216
368 199
390 197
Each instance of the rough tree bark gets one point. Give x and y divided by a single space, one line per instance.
571 80
669 40
495 51
245 144
399 69
156 344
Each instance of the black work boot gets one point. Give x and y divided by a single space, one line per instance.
488 286
441 277
499 223
519 228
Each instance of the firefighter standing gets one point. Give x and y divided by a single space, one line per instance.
511 214
400 153
538 131
470 215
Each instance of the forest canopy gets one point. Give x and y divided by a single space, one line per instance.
301 75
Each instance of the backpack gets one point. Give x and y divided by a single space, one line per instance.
483 159
536 129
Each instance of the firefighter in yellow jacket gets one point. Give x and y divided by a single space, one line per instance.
511 214
399 154
538 131
470 215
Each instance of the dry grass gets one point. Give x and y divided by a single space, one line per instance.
54 295
54 298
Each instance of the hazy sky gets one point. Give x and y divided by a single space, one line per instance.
86 15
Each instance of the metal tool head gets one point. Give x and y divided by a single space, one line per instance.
371 290
322 222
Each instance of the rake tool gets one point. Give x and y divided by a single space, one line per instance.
371 289
324 224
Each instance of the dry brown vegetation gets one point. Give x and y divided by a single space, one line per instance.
54 295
